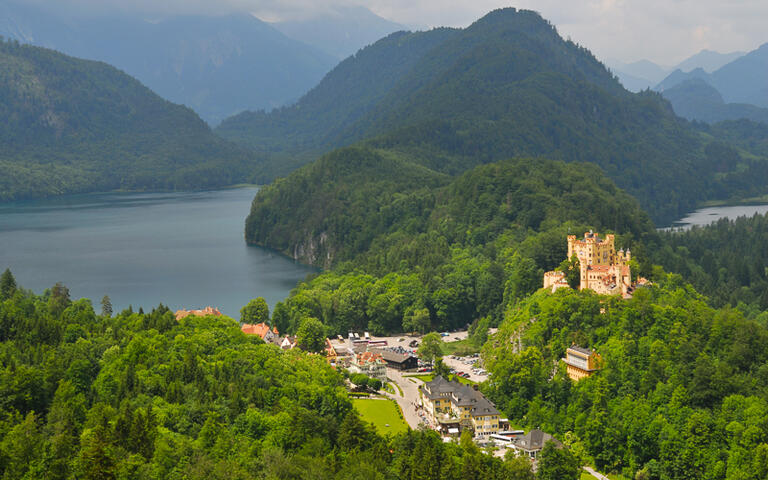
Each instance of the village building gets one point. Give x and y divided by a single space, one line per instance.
398 358
197 313
371 364
452 405
601 268
532 443
581 363
285 343
262 330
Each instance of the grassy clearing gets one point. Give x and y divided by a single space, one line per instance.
461 348
427 377
381 413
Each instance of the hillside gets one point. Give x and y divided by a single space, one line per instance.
744 80
216 65
696 99
72 125
401 238
506 86
136 395
355 87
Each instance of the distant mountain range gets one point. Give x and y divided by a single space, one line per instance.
340 31
644 74
744 80
506 86
695 99
73 126
217 66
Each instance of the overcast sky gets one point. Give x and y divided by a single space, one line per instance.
664 31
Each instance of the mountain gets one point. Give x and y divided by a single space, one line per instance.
72 125
637 76
349 92
216 65
339 31
696 99
744 80
708 60
644 74
506 86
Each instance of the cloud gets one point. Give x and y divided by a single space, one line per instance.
665 31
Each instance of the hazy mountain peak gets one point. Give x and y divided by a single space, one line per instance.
339 31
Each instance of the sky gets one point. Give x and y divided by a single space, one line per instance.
663 31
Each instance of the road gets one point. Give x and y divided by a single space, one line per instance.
595 474
409 401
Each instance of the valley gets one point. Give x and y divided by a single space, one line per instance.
439 261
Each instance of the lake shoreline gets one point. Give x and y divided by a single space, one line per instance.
708 215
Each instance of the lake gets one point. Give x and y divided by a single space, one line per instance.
705 216
186 250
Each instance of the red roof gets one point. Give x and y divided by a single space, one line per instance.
369 357
259 329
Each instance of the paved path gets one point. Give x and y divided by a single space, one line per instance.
410 398
595 474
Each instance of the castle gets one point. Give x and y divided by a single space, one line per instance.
602 268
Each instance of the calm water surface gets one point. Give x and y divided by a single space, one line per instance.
181 249
705 216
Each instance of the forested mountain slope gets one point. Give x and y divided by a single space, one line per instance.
71 125
507 86
350 91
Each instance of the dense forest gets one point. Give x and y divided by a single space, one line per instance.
435 252
683 390
72 126
726 261
140 395
506 86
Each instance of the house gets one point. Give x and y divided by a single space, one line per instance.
198 313
532 443
450 404
398 359
581 363
285 343
601 267
371 364
262 330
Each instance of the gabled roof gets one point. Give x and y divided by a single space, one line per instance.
391 356
260 329
583 350
534 440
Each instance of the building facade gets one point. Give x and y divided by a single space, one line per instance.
450 404
371 364
601 267
581 363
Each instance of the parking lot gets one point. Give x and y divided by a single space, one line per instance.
468 365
